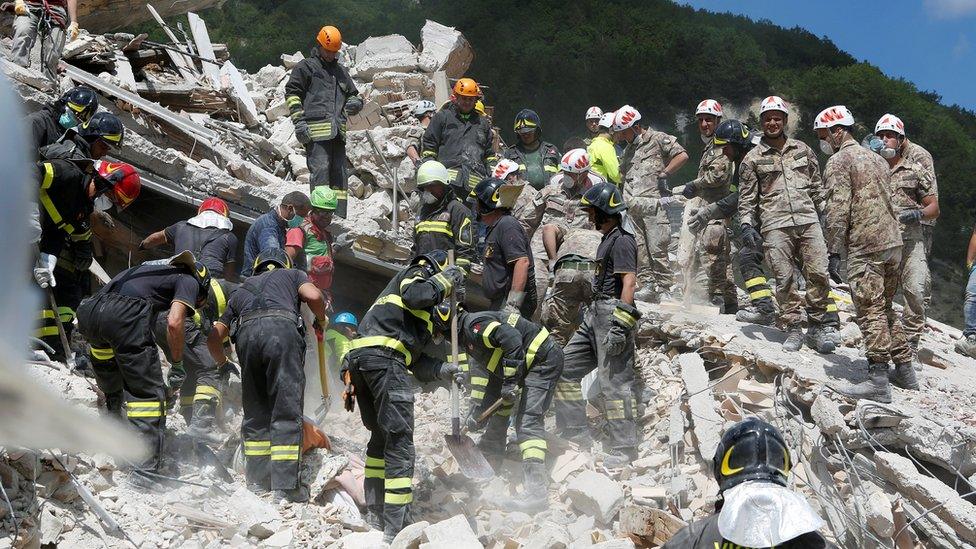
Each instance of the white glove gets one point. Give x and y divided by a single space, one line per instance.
44 270
73 31
20 8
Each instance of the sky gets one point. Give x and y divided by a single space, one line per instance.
931 43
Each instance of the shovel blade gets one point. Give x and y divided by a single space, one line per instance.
470 460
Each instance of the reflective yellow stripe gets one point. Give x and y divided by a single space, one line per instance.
537 342
206 392
382 341
398 499
102 354
284 452
508 371
375 462
144 409
761 293
534 443
832 308
839 298
487 333
614 405
493 361
341 194
393 299
48 175
371 472
319 129
465 230
569 391
257 447
186 400
628 319
434 154
67 314
45 200
220 297
398 483
504 411
477 395
46 313
552 169
755 281
47 331
483 381
375 467
408 281
434 227
293 100
534 453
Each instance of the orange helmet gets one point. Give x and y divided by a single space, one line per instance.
124 182
214 204
330 38
467 87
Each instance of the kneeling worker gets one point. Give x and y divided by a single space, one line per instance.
264 321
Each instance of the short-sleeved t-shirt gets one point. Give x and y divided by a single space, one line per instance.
616 255
160 284
506 242
211 246
277 288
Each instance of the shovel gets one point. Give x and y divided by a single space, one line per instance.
471 462
323 408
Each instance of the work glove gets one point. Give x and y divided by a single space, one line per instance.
689 191
226 369
349 392
174 381
354 105
302 133
662 185
73 31
751 237
471 422
20 8
107 220
509 390
449 279
451 370
44 270
698 219
513 303
910 216
833 268
616 340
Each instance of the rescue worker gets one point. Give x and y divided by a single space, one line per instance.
862 223
649 159
606 339
68 190
264 321
71 110
310 245
118 321
712 248
537 159
523 364
63 16
209 235
592 120
781 201
460 138
339 336
423 111
572 279
321 95
392 337
967 344
915 197
443 222
510 172
556 209
93 139
269 230
603 154
508 267
736 139
752 463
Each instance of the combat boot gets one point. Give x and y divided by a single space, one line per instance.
202 423
580 437
967 346
534 496
294 495
876 387
903 376
818 340
794 340
620 457
761 312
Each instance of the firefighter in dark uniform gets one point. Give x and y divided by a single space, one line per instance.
736 140
509 274
537 159
461 138
392 337
68 190
264 320
444 223
117 321
73 109
321 95
93 139
751 465
606 339
518 356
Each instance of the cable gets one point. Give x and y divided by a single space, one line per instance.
13 518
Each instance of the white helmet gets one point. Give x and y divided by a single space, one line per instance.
890 122
606 121
575 161
593 112
625 117
423 107
709 106
505 168
773 103
833 116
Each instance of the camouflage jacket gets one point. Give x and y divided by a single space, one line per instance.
916 153
644 159
779 189
910 182
714 174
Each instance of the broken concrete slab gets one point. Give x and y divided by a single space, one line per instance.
596 494
446 48
411 536
707 421
826 414
454 532
384 53
289 60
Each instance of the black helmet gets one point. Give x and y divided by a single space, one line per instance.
751 450
103 125
436 260
82 102
486 192
526 121
442 317
605 197
197 269
270 259
733 132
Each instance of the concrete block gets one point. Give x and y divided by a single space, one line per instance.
548 536
289 60
384 53
268 76
277 108
880 518
595 494
446 49
411 536
704 410
826 414
454 532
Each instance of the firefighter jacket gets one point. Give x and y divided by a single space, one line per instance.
444 226
460 141
316 94
490 336
65 208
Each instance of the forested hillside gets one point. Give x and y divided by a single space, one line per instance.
561 57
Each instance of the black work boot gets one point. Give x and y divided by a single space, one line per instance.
374 517
794 340
903 376
818 340
581 437
202 425
761 311
620 457
294 495
534 496
876 387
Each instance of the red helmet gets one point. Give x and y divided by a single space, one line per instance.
214 204
123 180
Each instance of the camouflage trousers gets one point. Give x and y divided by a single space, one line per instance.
572 288
874 279
714 263
653 240
916 288
803 247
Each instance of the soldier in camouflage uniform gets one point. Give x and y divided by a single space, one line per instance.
862 222
649 159
572 281
915 196
781 201
712 247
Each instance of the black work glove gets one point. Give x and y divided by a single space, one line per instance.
226 369
616 340
471 422
910 216
662 186
302 133
833 268
689 191
354 105
174 381
509 391
449 370
751 237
